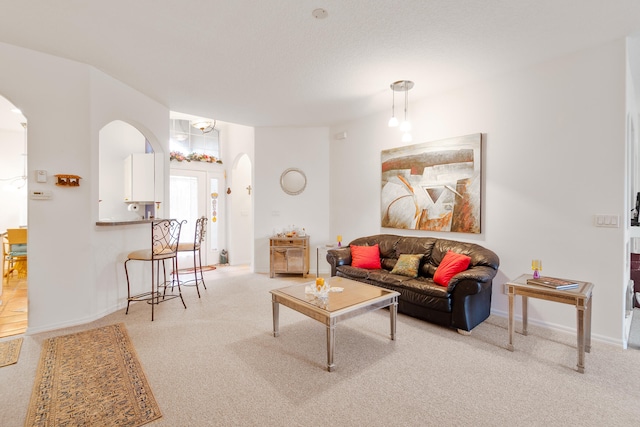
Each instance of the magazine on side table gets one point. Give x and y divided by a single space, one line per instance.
553 282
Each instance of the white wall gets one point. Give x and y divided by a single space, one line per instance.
632 238
277 149
554 156
75 267
237 141
111 100
241 210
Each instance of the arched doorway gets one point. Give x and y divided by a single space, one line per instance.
119 142
13 215
241 212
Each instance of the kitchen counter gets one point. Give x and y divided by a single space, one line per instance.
126 222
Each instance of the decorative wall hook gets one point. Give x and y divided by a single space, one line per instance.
68 180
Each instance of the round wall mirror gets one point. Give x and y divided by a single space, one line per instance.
293 181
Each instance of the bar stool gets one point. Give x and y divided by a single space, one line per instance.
201 229
165 235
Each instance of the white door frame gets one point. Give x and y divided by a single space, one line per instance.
210 253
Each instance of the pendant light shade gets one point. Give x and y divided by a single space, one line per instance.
205 126
405 127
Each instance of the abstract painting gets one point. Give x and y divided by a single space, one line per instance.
433 186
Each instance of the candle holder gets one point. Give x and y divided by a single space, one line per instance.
536 266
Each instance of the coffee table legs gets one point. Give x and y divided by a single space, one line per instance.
331 322
393 315
276 317
331 342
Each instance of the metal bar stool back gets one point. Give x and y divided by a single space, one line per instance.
201 230
165 236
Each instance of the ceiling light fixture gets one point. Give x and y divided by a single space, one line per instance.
405 127
205 126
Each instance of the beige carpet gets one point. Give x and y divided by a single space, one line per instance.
91 378
10 351
217 364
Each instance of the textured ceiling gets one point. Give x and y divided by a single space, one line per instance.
271 63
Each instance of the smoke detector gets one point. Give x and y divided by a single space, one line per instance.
319 13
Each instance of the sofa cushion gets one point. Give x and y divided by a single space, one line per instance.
365 256
427 286
353 272
452 264
384 276
407 265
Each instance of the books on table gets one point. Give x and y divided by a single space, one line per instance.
553 282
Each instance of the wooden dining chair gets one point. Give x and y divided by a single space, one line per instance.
165 236
16 251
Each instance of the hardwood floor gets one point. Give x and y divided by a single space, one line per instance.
13 310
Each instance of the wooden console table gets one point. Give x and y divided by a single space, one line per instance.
580 297
289 255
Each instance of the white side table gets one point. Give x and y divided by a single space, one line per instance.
323 248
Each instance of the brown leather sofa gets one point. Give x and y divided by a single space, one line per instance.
463 304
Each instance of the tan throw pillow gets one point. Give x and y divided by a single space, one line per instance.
407 265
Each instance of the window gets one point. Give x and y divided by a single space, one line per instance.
186 139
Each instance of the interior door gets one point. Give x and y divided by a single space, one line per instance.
193 194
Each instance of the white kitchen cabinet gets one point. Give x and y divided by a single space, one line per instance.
139 171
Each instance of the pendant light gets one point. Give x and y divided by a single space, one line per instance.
405 127
393 121
205 126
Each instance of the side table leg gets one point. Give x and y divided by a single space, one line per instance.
276 317
393 314
331 341
581 331
511 323
525 315
587 326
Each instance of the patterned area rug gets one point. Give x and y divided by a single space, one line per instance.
191 270
10 351
91 378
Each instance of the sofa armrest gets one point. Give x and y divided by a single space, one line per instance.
473 280
337 257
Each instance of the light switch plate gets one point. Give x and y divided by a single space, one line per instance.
609 221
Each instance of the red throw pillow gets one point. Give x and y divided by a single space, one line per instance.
365 256
452 264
